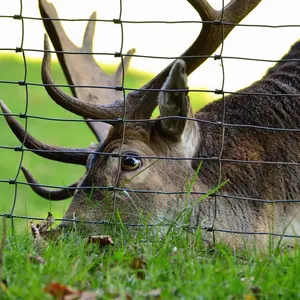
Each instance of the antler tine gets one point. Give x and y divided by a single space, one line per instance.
48 194
73 104
68 155
118 75
213 33
210 38
81 68
88 38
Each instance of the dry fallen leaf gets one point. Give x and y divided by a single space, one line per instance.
249 297
152 294
40 228
60 291
118 297
35 231
52 235
256 290
48 222
40 231
139 264
85 295
37 259
39 242
100 240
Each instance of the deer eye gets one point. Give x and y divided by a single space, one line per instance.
130 162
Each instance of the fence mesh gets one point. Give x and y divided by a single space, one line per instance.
16 181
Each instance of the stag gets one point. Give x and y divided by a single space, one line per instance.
239 138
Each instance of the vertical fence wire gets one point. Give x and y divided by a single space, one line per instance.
22 83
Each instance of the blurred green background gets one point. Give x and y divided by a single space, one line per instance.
69 134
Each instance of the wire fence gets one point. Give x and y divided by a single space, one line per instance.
16 182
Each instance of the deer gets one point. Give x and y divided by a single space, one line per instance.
234 164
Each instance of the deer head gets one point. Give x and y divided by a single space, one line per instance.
124 172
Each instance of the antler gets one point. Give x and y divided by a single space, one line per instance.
216 25
46 193
68 155
81 68
73 104
140 104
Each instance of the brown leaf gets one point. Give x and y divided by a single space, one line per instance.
85 295
151 294
37 259
249 297
4 285
140 265
256 290
127 297
35 231
100 240
39 242
48 222
88 295
60 291
154 293
52 235
40 231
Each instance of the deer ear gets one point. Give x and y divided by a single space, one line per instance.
174 103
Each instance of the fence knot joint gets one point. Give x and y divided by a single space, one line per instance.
119 88
18 149
209 229
8 216
117 21
217 22
219 92
17 17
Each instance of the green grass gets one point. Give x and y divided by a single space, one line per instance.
177 267
70 134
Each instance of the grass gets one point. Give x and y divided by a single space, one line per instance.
174 267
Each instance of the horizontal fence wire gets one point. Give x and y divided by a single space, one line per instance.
94 151
117 21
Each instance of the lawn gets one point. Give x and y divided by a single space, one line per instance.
144 267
